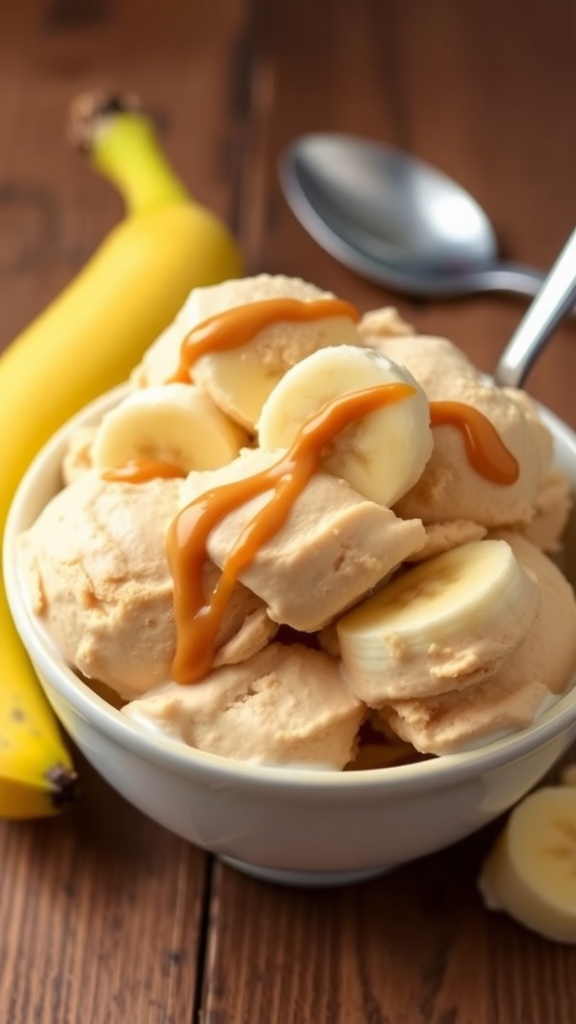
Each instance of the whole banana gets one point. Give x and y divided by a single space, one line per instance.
83 343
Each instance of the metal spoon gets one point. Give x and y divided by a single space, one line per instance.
554 300
396 220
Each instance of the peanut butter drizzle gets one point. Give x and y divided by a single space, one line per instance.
197 622
139 471
485 450
236 327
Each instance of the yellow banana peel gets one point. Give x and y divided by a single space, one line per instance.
37 777
86 341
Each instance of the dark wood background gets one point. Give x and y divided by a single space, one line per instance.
105 917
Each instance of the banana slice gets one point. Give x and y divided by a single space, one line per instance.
447 623
383 454
239 380
174 423
530 873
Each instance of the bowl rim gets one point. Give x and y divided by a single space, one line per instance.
445 770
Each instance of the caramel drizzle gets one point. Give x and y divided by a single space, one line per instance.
236 327
139 471
485 450
197 622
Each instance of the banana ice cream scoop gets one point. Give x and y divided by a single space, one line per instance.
97 570
447 623
464 719
549 649
99 575
529 681
78 456
552 509
449 487
432 360
445 536
385 322
332 549
246 627
240 379
287 705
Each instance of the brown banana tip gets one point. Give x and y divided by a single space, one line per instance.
64 783
90 110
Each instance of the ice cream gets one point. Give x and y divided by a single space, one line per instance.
95 561
530 680
551 510
302 528
444 625
334 547
449 489
286 705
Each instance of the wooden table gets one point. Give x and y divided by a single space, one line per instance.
105 917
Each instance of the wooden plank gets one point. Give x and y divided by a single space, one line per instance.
101 916
413 947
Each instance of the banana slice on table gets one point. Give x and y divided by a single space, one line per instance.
530 873
174 423
445 624
383 454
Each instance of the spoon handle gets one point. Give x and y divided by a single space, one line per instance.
553 301
514 278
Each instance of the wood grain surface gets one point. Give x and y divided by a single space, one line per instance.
105 917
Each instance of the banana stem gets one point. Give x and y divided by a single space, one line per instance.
121 143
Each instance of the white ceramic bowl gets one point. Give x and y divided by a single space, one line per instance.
295 826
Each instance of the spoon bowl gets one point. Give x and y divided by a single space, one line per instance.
398 221
394 219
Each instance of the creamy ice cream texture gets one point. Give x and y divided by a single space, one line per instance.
334 547
97 570
449 489
537 670
286 705
100 576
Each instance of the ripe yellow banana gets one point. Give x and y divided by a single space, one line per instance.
37 777
84 342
